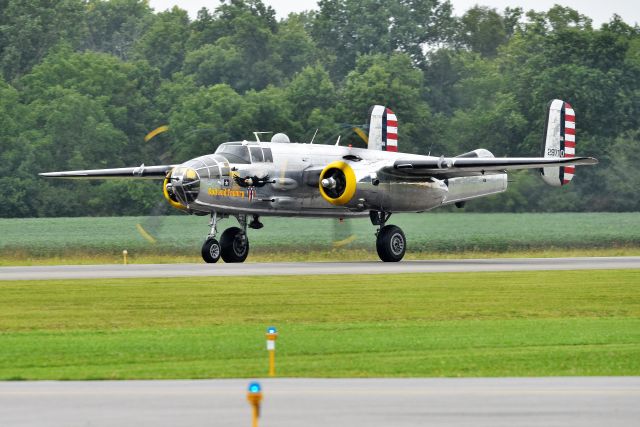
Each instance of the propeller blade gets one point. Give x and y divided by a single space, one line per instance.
155 132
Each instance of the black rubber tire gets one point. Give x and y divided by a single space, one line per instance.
211 251
391 243
231 247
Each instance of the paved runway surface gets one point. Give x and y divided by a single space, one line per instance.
494 402
314 268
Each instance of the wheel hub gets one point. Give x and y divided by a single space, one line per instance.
214 250
397 244
239 245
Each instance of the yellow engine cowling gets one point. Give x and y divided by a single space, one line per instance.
337 183
173 201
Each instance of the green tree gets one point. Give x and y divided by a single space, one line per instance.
12 154
621 176
114 26
30 28
216 63
241 49
205 118
67 131
125 90
483 29
164 42
311 89
293 48
349 28
390 80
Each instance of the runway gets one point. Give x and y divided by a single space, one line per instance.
315 268
490 402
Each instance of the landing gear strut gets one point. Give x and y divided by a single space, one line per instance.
211 247
391 242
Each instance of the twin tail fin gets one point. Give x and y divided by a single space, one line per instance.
559 142
383 129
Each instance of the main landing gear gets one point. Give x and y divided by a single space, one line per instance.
391 243
233 245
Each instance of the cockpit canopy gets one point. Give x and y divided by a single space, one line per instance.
245 153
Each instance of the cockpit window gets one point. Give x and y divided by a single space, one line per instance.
256 154
235 153
268 157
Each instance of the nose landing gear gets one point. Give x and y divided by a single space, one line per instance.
233 246
211 247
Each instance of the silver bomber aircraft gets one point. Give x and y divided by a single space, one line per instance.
250 179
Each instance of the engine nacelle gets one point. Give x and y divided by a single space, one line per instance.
358 187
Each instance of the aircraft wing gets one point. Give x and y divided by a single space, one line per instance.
142 171
461 166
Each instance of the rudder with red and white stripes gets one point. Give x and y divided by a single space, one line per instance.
383 129
559 142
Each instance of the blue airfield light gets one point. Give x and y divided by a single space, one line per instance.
271 330
254 396
254 388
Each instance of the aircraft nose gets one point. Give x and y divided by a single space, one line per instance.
329 183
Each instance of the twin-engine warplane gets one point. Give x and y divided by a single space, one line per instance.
250 179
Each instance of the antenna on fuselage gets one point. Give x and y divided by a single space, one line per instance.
338 141
314 136
430 147
257 135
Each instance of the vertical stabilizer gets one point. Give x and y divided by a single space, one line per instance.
559 142
383 129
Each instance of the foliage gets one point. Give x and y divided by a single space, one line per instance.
81 83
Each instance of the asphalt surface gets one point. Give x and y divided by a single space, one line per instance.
494 402
314 268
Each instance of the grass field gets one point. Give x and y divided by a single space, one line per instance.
81 240
472 324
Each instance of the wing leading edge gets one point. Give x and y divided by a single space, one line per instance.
454 166
142 171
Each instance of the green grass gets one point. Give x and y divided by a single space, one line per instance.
82 240
472 324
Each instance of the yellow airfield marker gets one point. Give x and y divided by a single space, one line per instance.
272 335
254 396
124 255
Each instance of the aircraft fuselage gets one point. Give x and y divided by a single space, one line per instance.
282 179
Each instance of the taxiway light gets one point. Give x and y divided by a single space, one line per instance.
254 396
124 255
272 335
254 388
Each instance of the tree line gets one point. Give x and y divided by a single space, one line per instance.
83 81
